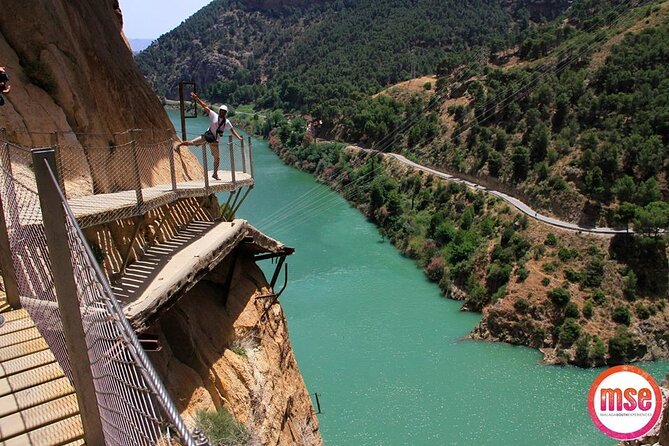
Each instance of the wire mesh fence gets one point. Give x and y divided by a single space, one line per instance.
134 406
135 175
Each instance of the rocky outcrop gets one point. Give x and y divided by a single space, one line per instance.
231 349
72 70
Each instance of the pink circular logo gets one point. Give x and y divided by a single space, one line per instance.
625 402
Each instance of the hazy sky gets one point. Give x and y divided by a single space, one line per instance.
148 19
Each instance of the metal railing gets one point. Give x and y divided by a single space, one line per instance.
121 398
133 175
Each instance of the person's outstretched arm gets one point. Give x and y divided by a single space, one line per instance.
200 101
237 135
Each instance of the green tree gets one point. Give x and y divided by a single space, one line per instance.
559 296
621 315
652 219
569 332
598 354
520 160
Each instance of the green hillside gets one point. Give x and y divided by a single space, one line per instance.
573 118
318 55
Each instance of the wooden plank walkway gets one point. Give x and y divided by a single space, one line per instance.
38 405
91 210
168 270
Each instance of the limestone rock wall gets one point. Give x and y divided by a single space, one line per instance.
232 349
72 72
71 69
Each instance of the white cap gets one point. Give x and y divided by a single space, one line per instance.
223 108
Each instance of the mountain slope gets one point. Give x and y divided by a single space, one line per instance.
300 56
572 119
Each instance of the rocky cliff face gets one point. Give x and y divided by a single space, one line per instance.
72 73
231 349
71 70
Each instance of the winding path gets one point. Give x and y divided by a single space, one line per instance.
522 207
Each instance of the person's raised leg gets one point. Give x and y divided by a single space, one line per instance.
217 158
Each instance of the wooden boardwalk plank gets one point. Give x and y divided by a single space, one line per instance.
63 432
38 416
30 378
25 399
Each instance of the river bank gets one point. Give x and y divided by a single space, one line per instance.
385 351
563 293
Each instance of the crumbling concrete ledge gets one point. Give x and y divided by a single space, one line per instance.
186 267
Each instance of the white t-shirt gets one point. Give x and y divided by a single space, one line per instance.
213 124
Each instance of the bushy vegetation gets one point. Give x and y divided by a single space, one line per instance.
607 122
468 242
316 56
221 428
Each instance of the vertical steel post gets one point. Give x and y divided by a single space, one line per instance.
59 161
232 160
251 156
7 263
137 175
205 168
6 260
55 227
243 156
173 171
182 107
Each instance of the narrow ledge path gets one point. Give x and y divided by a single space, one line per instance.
522 207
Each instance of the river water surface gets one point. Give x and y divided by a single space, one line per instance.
385 351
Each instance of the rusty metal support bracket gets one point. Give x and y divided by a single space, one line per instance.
277 270
233 205
248 191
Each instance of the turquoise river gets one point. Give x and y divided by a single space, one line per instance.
385 351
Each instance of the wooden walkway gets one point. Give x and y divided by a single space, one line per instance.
92 210
38 405
168 270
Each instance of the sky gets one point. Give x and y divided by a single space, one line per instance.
149 19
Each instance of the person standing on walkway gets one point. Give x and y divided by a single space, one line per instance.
218 123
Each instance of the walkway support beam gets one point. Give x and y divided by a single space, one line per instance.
232 160
55 227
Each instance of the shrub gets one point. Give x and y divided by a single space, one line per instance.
571 310
551 239
621 315
522 274
598 354
569 332
559 296
630 285
221 428
572 276
545 281
622 348
582 357
478 297
499 294
642 311
498 275
435 269
598 297
588 310
593 274
521 305
566 254
549 267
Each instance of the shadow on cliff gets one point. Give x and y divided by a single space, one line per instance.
647 257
